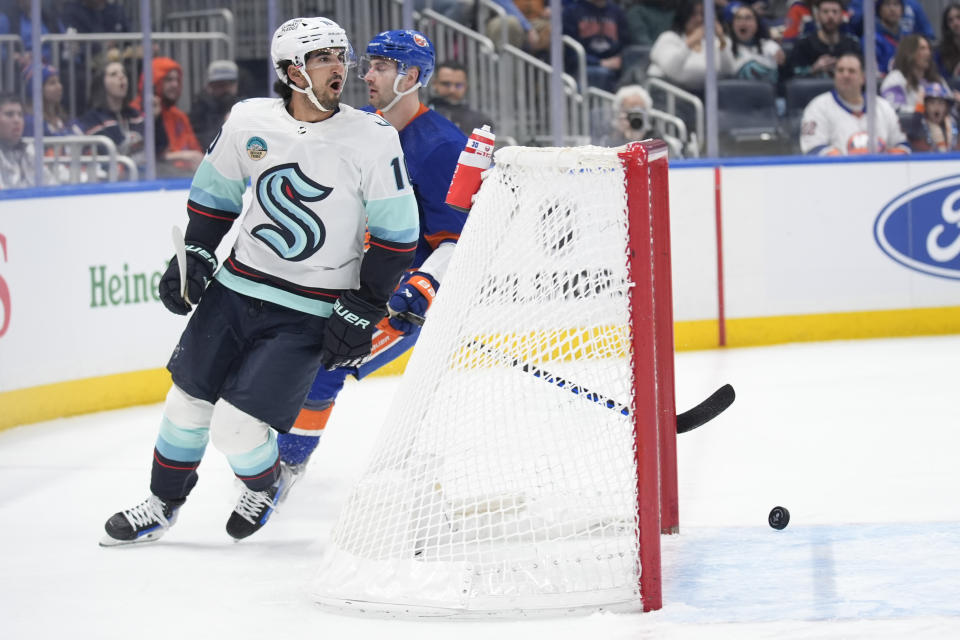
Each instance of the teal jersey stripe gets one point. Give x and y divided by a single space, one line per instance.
211 189
255 462
394 219
181 444
266 292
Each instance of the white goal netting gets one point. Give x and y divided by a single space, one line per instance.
507 480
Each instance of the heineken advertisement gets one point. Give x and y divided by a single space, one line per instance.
804 257
112 288
78 285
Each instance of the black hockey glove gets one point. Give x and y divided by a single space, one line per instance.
349 331
201 263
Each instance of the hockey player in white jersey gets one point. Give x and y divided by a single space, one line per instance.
297 292
835 123
395 65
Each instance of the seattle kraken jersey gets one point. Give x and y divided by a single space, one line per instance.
317 187
431 145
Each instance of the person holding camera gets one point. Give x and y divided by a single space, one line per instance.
632 121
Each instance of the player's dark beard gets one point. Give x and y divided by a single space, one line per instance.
329 103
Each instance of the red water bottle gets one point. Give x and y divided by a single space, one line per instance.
474 159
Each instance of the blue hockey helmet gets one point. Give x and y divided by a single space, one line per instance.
408 47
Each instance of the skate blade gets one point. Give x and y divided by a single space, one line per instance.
107 541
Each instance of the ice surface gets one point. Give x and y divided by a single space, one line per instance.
859 440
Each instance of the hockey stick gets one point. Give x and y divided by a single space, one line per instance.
714 405
180 249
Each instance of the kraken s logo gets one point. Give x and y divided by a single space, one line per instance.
298 233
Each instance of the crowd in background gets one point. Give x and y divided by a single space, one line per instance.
626 42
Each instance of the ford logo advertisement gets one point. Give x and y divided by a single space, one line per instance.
920 228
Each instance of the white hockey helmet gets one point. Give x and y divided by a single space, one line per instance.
294 39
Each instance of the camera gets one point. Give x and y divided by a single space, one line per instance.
638 119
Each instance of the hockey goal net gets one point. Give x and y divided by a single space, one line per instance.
529 464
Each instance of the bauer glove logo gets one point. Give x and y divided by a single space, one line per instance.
350 317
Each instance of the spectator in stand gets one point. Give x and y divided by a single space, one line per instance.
632 121
631 117
815 54
462 11
835 122
647 19
913 69
799 20
755 55
888 33
934 128
601 27
679 57
95 16
182 153
948 53
449 91
16 20
524 27
54 114
912 20
212 105
537 12
16 157
111 114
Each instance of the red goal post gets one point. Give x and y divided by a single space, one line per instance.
529 462
651 303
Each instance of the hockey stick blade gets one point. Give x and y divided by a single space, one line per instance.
689 420
180 250
707 410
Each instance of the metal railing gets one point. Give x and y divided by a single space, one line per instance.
487 11
453 41
669 128
363 19
192 50
78 159
581 78
209 20
673 95
525 81
10 46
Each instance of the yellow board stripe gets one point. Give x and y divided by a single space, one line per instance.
46 402
749 332
49 401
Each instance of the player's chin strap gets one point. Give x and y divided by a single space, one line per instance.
396 99
309 92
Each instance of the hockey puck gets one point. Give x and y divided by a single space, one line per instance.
779 517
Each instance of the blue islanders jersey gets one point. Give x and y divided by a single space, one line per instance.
431 146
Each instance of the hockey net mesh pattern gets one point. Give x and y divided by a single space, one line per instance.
506 478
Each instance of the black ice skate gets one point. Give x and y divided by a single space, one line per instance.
145 522
254 507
